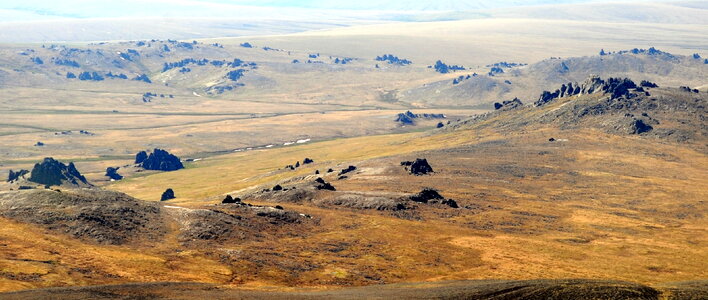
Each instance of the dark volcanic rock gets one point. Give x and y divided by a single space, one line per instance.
323 185
426 195
16 175
168 195
307 161
421 167
161 160
277 187
638 126
230 199
615 87
409 118
347 170
112 173
52 172
451 203
141 157
508 105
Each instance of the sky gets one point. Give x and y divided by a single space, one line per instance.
31 10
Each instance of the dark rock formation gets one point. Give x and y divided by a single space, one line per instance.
406 163
409 118
229 200
450 203
141 157
16 175
323 185
39 144
347 170
508 105
552 140
638 126
648 84
330 170
394 60
614 87
160 160
112 173
169 194
421 167
440 125
52 172
426 195
277 187
307 161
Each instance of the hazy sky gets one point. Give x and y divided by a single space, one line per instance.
25 10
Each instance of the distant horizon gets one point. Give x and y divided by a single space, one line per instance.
34 10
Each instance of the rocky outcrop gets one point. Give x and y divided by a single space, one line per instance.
230 200
508 105
169 194
16 175
409 118
52 172
421 167
614 87
323 185
160 160
141 157
347 170
112 173
426 195
431 196
307 161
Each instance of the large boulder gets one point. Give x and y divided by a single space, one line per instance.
141 157
169 194
52 172
421 167
160 160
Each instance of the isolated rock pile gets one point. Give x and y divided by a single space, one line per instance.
52 172
159 159
418 167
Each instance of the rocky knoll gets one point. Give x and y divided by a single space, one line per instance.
102 216
159 160
52 172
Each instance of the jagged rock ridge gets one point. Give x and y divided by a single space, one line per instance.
52 172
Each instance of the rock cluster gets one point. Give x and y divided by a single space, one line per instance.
323 185
409 118
159 159
230 200
52 172
16 175
615 87
508 105
428 195
347 170
418 167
